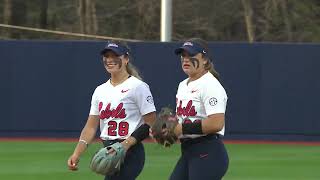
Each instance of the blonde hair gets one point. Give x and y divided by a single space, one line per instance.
209 65
131 69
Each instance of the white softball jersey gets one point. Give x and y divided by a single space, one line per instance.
200 98
120 108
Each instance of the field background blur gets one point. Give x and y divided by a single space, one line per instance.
213 20
40 160
285 22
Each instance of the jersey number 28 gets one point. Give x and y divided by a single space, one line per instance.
122 128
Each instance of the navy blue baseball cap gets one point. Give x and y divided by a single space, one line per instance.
117 48
192 48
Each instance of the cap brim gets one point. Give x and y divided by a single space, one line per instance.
115 50
187 49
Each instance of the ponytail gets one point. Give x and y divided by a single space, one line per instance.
210 67
133 71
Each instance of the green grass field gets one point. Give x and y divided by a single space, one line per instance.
47 161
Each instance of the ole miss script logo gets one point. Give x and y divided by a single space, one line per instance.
120 128
118 112
189 110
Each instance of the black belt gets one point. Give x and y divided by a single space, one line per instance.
199 139
110 142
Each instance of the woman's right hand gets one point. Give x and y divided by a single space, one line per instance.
73 162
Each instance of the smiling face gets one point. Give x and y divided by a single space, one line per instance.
114 63
193 65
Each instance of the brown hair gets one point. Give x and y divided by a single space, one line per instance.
209 65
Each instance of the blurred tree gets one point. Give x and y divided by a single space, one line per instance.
286 18
88 17
248 13
43 14
148 19
208 19
14 13
7 12
213 20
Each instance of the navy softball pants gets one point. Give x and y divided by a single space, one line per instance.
132 165
202 158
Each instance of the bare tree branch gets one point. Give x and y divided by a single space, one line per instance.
248 13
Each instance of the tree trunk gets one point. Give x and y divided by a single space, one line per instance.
81 12
14 13
286 19
88 17
6 16
248 13
93 13
43 14
7 11
91 18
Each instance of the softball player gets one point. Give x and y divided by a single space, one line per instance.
124 109
201 103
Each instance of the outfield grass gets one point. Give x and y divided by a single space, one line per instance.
47 161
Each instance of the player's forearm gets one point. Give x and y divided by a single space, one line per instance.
142 132
213 124
130 141
88 134
150 118
86 138
80 148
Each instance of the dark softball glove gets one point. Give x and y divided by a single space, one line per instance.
163 128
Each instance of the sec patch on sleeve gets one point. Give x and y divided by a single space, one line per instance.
213 101
150 99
